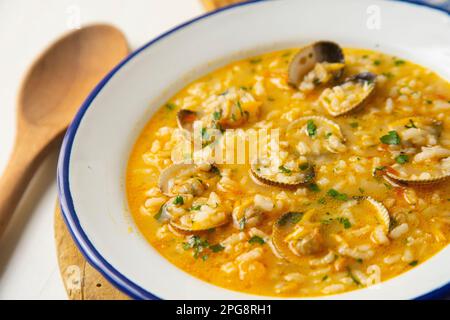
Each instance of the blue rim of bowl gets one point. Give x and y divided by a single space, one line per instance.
66 202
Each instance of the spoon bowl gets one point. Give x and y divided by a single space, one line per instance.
52 91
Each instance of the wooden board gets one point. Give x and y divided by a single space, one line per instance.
81 280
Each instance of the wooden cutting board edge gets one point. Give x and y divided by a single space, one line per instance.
81 280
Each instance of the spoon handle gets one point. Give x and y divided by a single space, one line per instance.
22 164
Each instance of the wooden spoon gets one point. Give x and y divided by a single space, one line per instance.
52 91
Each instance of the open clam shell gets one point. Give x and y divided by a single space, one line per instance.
306 59
349 95
382 212
325 129
171 172
418 131
284 226
264 172
305 227
424 178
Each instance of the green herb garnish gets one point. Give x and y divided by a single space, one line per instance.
290 217
217 248
311 128
391 138
158 215
255 60
337 195
413 263
217 115
314 187
345 222
178 200
171 106
402 158
256 240
197 244
284 170
356 281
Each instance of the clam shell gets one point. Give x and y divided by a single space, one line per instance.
383 213
279 231
305 177
170 173
322 121
361 80
286 222
418 181
305 60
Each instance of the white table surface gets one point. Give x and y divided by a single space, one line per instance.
28 263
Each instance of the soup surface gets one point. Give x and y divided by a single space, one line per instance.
345 185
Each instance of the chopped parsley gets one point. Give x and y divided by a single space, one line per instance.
399 62
402 158
391 138
377 62
314 187
171 106
256 240
255 61
238 104
345 222
217 248
413 263
325 277
158 215
311 128
351 275
284 170
217 115
337 195
290 217
354 125
379 169
197 244
196 208
178 200
322 201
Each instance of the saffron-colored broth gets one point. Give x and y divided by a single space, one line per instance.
336 240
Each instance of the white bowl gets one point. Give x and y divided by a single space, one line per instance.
95 152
